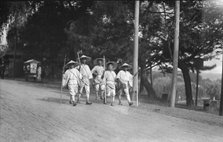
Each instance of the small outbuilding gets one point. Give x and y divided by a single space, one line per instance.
32 69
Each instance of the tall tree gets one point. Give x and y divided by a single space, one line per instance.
200 35
104 31
48 41
111 32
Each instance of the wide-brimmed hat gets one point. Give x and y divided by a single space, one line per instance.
85 57
115 65
95 62
126 65
71 62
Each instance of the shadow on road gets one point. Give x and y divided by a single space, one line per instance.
55 100
66 100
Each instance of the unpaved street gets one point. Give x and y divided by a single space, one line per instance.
31 112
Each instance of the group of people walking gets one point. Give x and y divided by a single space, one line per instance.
106 82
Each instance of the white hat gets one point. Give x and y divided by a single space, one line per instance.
126 65
71 62
84 56
115 65
95 62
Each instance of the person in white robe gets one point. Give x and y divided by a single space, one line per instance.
71 80
110 81
98 72
125 80
86 77
39 72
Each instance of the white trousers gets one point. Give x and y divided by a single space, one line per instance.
99 87
126 91
73 90
111 92
87 89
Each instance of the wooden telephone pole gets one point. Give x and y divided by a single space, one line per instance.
136 53
176 50
14 55
221 101
197 87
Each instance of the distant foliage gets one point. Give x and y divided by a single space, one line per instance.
162 85
206 89
3 49
212 88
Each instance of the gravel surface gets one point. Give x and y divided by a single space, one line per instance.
35 112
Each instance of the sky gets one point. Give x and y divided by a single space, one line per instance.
218 68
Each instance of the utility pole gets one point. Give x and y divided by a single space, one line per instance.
221 101
14 56
151 75
136 53
197 87
176 50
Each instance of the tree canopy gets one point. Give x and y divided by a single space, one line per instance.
52 29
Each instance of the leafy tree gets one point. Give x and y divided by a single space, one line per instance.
212 88
200 35
4 12
104 31
107 28
48 42
111 32
13 17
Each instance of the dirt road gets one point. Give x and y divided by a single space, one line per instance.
31 112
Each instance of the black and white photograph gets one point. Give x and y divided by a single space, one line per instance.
111 71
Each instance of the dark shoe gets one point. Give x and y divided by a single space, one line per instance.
78 101
88 103
131 103
112 104
70 102
74 103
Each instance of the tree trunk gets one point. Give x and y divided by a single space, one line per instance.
151 92
141 82
187 82
144 81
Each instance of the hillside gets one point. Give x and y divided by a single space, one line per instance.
211 76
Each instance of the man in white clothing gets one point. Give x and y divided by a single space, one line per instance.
71 79
86 77
98 72
109 79
125 80
39 72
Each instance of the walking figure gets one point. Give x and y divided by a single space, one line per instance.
98 72
39 73
71 80
86 77
109 79
125 81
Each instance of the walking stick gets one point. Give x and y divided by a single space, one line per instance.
78 56
79 61
61 87
105 97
